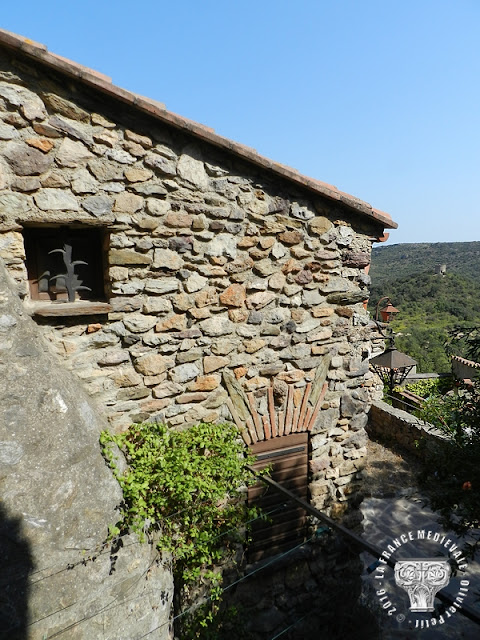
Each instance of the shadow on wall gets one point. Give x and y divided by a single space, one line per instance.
312 593
15 566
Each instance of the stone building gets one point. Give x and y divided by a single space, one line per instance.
170 274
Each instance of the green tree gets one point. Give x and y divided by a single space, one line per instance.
453 476
430 306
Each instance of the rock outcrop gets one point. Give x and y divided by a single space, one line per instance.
57 499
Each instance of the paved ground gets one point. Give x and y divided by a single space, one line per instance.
393 507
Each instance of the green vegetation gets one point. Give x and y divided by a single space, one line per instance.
430 304
185 490
429 387
453 476
399 261
464 340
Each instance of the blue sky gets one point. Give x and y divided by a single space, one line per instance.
378 97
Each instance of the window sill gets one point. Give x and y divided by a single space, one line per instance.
67 309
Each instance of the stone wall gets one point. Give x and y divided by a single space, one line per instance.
215 270
389 424
464 369
57 500
312 592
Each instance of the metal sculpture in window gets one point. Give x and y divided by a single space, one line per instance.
70 279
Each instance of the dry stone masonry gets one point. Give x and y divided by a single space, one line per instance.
223 279
234 288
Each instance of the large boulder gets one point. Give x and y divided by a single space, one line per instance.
57 498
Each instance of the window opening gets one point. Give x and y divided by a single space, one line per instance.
65 263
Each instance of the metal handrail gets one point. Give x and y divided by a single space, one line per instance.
464 609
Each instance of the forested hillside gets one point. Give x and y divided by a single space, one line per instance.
429 303
462 258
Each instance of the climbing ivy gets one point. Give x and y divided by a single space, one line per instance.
187 490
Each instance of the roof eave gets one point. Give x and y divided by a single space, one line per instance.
104 84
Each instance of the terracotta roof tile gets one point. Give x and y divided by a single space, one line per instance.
470 363
158 110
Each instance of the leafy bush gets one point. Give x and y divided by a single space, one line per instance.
187 488
429 387
453 475
464 341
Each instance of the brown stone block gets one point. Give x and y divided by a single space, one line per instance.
238 315
304 277
297 315
357 259
166 388
320 488
344 312
151 381
152 364
233 296
297 397
183 302
199 314
205 297
291 376
44 129
320 225
65 107
319 464
247 242
126 304
242 263
40 143
144 141
251 346
155 405
258 254
196 396
258 382
133 393
127 378
128 257
277 280
205 383
260 299
135 174
267 242
147 224
291 266
322 312
128 203
212 363
291 237
25 160
179 219
176 322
